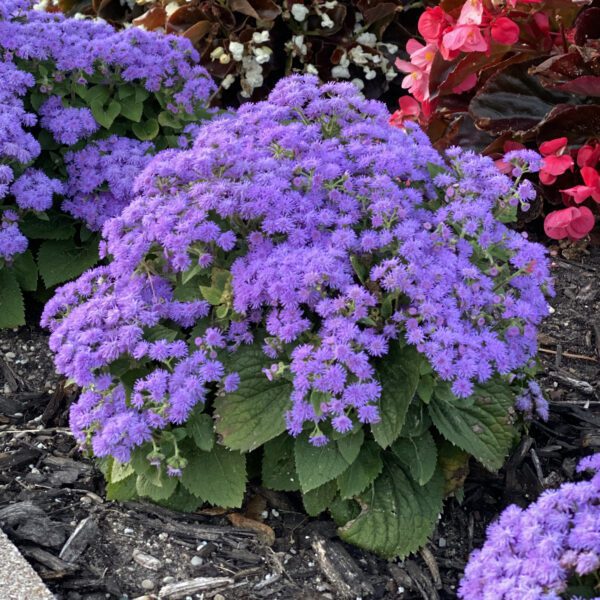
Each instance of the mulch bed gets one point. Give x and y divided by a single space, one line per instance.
52 506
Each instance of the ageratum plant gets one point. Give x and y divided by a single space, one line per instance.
312 285
548 551
82 110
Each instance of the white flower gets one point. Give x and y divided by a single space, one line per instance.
237 50
340 72
226 83
311 69
217 52
326 21
299 12
260 37
366 38
262 54
359 83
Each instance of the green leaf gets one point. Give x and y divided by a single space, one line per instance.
160 332
317 465
168 119
425 388
200 427
211 295
418 455
349 445
26 271
342 511
105 115
55 228
318 500
218 476
122 490
182 500
417 420
398 514
160 489
362 472
12 309
63 260
483 426
398 373
146 130
132 110
278 466
254 413
96 94
120 471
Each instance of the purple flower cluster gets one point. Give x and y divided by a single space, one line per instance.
337 234
100 177
51 63
537 552
531 402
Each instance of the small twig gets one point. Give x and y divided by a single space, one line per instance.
569 354
38 431
584 387
596 326
558 357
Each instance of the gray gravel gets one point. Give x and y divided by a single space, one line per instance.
18 581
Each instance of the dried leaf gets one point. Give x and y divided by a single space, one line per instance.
265 533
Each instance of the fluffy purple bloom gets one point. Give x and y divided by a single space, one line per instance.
67 124
538 551
34 190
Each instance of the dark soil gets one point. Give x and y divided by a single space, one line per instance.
51 499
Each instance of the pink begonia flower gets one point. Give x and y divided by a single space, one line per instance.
513 3
555 162
409 111
471 13
573 222
420 55
588 156
463 38
417 80
580 193
468 83
433 23
505 31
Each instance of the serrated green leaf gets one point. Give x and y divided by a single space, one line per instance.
200 428
160 489
349 445
211 295
132 110
318 500
146 130
122 490
61 261
483 426
254 413
425 388
26 271
417 420
182 500
398 373
279 466
160 332
190 273
105 115
362 472
12 309
342 511
398 514
120 471
56 228
317 465
418 455
218 476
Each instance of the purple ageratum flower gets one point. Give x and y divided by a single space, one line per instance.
536 552
67 124
34 190
304 184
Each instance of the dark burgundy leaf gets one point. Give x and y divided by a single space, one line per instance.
578 123
513 100
588 85
261 10
587 25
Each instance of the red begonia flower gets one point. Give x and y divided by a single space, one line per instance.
505 31
573 222
580 193
409 111
588 156
432 24
555 162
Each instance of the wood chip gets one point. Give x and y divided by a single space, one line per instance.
146 560
78 541
173 591
340 568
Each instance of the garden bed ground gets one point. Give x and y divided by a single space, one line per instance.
52 507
